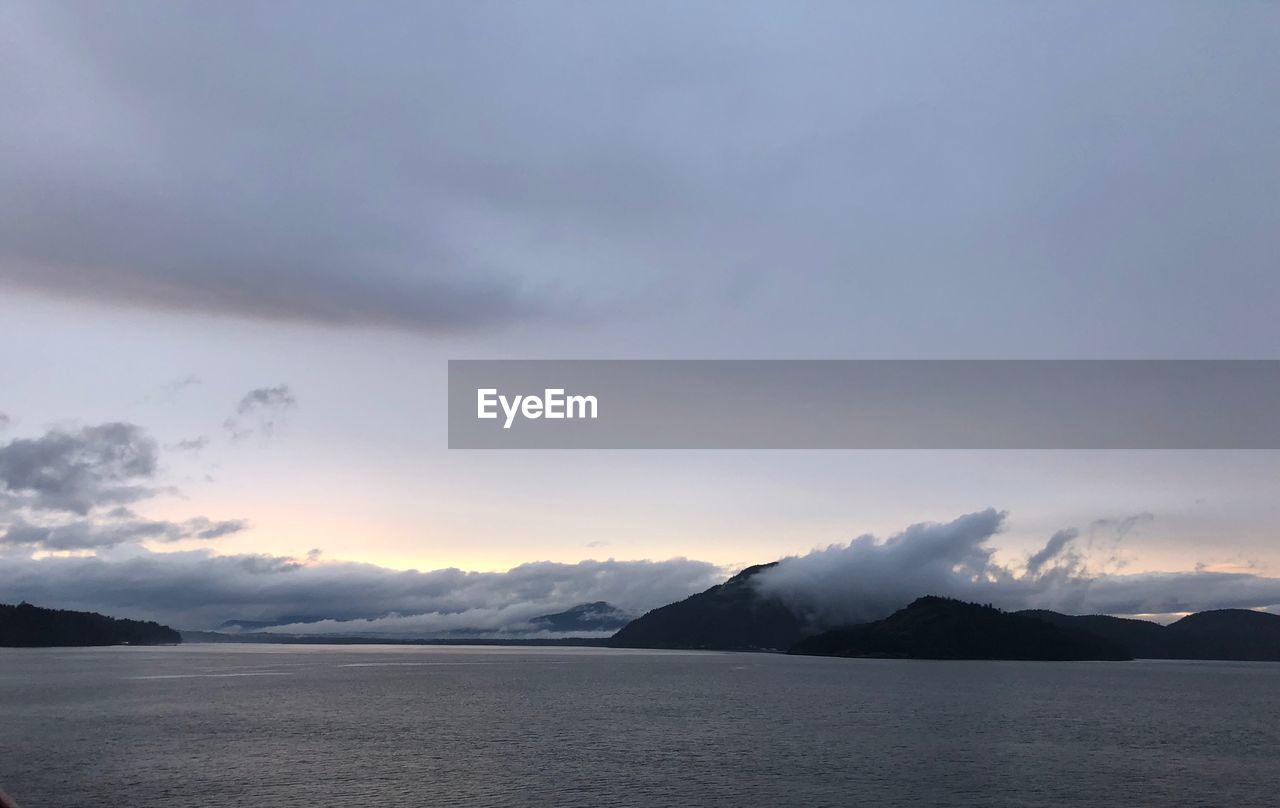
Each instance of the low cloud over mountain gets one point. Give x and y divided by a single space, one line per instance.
869 578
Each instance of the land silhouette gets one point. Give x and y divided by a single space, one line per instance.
943 628
27 626
737 616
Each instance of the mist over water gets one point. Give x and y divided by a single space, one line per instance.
409 726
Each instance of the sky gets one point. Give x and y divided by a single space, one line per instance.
239 242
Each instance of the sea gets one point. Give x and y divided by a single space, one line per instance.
264 725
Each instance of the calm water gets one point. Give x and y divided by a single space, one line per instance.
289 726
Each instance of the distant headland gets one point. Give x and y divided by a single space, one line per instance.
27 626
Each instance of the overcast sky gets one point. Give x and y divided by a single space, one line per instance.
238 243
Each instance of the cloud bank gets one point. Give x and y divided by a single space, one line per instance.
201 590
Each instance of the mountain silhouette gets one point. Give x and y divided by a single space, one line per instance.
1239 634
1233 634
1141 638
731 616
943 628
735 616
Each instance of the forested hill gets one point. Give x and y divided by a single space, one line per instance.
27 626
731 616
944 628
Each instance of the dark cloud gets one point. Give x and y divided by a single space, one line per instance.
202 528
235 198
69 490
79 470
437 167
260 411
4 420
266 398
92 535
1052 549
198 590
868 578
